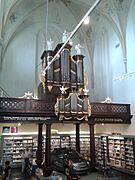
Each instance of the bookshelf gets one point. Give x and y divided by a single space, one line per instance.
85 146
119 151
13 147
129 153
101 150
58 141
116 151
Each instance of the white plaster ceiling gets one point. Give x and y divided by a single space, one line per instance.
17 14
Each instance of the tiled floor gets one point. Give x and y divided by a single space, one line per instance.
17 175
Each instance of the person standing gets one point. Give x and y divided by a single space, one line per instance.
7 171
1 169
27 155
23 160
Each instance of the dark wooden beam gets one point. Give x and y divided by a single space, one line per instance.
92 143
48 145
77 137
101 112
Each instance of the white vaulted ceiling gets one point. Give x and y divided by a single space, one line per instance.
23 20
17 15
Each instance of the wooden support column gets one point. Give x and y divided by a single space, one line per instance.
78 137
39 153
92 143
47 170
48 145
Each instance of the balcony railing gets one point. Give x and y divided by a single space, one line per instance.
101 112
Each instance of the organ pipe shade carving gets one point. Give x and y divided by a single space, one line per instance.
66 73
65 70
73 107
50 70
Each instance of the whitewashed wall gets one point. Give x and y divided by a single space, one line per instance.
17 74
123 90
